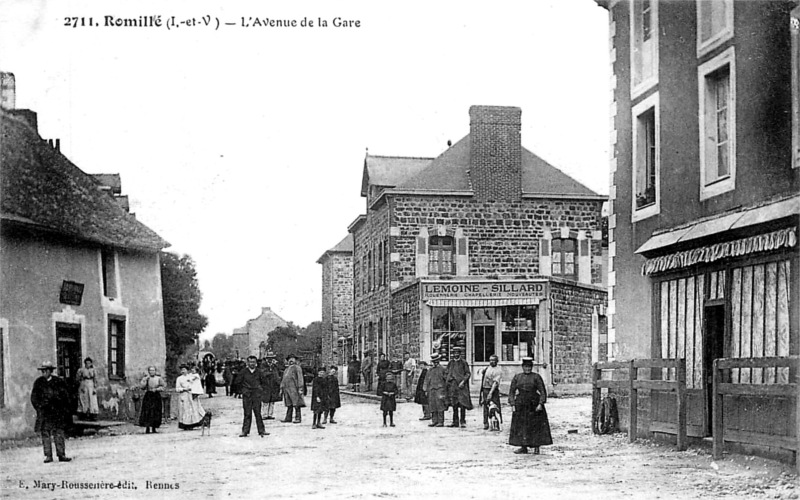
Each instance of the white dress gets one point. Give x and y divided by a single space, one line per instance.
190 413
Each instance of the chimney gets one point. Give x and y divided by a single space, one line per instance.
495 153
8 91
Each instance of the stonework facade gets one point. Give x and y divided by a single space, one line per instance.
511 239
252 337
337 303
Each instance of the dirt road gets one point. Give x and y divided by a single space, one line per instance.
358 458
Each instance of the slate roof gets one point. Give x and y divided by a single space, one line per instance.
40 187
449 172
344 246
389 171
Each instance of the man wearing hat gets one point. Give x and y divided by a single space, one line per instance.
292 388
272 391
458 374
435 387
50 398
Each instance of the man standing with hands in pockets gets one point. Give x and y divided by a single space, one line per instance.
253 383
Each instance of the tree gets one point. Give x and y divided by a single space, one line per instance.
181 296
222 346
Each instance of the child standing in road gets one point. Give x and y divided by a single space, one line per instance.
334 399
319 397
389 399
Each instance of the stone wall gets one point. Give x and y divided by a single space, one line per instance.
337 302
572 307
503 237
406 323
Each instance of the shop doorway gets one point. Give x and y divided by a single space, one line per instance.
483 334
713 348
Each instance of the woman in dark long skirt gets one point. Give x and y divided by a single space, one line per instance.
150 416
529 423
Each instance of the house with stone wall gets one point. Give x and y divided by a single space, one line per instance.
486 247
251 339
704 208
81 278
337 303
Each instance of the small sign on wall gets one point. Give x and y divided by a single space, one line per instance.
71 293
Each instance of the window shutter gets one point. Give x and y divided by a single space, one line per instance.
544 245
422 245
584 247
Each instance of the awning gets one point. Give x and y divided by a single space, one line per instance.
725 222
483 302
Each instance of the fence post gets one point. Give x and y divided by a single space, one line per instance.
681 376
716 412
595 398
633 407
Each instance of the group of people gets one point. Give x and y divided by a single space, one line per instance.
362 370
437 390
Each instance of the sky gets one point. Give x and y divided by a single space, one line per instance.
243 146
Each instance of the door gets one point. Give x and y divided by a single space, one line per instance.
713 342
68 357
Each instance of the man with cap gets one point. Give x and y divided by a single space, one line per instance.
458 374
252 382
366 370
292 388
435 387
272 390
50 398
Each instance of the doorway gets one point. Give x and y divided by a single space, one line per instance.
713 348
68 357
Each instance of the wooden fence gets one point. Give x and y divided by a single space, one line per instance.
633 384
723 387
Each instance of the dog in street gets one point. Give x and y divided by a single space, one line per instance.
206 423
495 417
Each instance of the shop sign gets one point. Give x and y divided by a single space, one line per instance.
484 289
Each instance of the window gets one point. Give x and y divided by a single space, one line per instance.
109 272
518 339
385 265
564 259
449 329
441 250
717 125
116 347
795 33
646 158
483 333
644 45
370 271
714 24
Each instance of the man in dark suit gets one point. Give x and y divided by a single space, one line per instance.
50 398
253 383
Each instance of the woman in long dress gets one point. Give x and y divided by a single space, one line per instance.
150 416
190 414
87 391
529 423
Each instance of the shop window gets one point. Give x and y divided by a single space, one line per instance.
116 347
714 24
518 338
449 330
717 125
564 258
644 45
646 158
109 272
440 255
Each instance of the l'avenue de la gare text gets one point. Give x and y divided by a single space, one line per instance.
243 21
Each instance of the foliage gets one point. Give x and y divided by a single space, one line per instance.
181 296
305 343
222 346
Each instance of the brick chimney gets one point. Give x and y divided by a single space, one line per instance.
8 91
496 153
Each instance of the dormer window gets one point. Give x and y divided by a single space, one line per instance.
441 250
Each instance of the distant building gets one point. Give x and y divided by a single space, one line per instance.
486 247
704 207
80 278
337 303
248 339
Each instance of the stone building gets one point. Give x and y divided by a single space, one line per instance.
249 338
337 303
81 278
485 247
704 203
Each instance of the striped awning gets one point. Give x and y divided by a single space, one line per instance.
483 302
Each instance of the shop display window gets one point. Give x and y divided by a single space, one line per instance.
519 333
449 330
